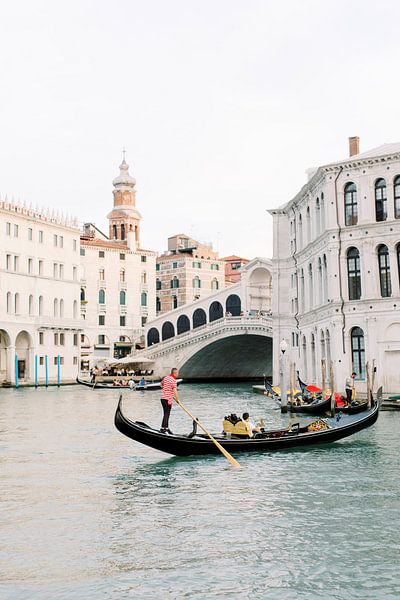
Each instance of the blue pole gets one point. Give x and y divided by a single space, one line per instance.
46 366
36 370
58 370
16 371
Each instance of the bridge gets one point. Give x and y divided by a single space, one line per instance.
227 335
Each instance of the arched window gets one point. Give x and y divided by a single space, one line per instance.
122 275
322 342
16 304
310 286
174 282
302 292
300 232
174 302
396 192
122 231
199 318
183 324
55 307
158 304
233 305
313 361
380 200
167 331
384 271
353 274
144 277
122 298
325 277
322 213
102 274
143 299
158 284
196 282
102 297
153 336
31 305
40 306
61 307
358 352
9 303
304 349
114 228
320 281
308 222
398 260
83 295
317 217
75 309
350 204
328 349
215 284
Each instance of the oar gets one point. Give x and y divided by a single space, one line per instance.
220 448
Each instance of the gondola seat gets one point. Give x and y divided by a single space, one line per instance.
235 427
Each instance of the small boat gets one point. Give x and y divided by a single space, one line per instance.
311 405
102 385
390 405
323 431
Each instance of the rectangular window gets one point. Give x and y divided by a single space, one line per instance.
56 360
41 360
82 252
61 271
102 274
122 321
74 273
144 258
122 256
8 262
102 340
40 267
55 270
102 319
16 263
30 233
55 239
196 265
8 228
101 254
40 237
174 265
62 339
144 321
158 266
15 230
56 339
75 339
61 241
214 267
75 360
41 338
30 266
74 245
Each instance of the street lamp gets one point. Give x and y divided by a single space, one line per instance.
283 375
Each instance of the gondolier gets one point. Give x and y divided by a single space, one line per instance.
169 393
350 387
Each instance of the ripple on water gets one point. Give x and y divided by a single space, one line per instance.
88 513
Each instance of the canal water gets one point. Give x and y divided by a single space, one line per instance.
87 513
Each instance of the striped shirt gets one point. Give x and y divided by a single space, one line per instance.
168 387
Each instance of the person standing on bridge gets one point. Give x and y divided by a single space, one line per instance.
169 393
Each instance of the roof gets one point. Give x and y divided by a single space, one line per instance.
234 257
104 244
384 149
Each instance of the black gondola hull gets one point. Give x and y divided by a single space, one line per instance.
197 445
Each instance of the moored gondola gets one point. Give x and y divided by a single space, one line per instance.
311 406
148 386
320 432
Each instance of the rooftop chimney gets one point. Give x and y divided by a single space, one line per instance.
354 145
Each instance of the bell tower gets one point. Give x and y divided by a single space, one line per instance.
124 219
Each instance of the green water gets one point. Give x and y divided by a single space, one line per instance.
87 513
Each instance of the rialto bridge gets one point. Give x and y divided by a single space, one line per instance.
227 335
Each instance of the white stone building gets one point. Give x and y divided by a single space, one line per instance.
336 270
39 298
117 280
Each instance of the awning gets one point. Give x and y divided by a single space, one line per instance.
123 345
130 360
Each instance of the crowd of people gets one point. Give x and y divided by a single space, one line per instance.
118 372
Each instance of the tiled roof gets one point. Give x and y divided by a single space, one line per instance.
382 150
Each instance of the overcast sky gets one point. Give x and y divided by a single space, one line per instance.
221 105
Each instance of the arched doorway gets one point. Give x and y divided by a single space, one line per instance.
260 291
22 349
153 336
183 324
215 311
4 350
233 305
167 331
199 318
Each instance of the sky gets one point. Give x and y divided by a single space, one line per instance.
221 105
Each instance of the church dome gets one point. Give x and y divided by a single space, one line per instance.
124 179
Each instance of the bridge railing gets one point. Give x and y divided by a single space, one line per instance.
227 323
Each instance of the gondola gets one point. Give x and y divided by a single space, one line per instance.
353 408
335 428
312 406
151 385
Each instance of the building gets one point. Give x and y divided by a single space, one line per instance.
233 265
117 279
336 269
39 302
189 270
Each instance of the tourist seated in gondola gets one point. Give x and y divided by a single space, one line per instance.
252 427
115 382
